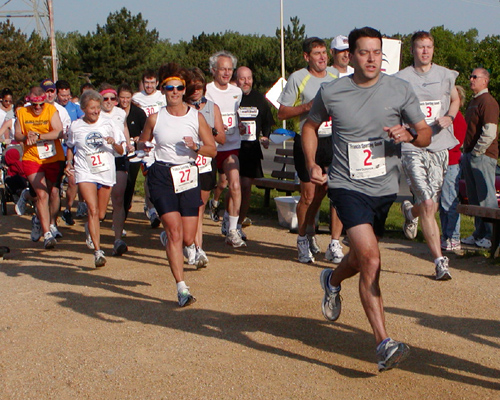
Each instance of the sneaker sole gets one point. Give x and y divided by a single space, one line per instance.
188 302
50 244
397 358
236 246
100 263
445 277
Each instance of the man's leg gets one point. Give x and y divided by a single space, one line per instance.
231 168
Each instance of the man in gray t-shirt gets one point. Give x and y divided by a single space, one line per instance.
367 110
425 168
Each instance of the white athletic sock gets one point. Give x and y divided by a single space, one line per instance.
181 286
215 203
335 241
301 237
233 222
436 261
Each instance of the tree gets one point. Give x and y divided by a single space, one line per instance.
119 51
25 61
294 37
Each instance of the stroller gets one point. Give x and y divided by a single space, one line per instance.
12 176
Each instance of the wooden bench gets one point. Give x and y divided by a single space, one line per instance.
488 214
282 180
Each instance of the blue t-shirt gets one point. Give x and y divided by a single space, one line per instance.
74 111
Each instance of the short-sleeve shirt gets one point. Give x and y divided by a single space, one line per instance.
433 89
302 87
74 110
90 150
360 144
41 124
150 103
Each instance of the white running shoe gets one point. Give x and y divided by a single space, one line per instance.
55 232
391 354
313 244
234 239
21 203
36 229
470 240
305 255
410 226
242 234
49 241
201 259
483 243
334 252
442 271
99 259
190 253
88 238
185 298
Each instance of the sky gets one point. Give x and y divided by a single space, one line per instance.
181 20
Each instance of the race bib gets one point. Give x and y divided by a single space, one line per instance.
204 164
431 110
248 112
185 177
229 120
367 159
325 129
97 162
46 149
250 131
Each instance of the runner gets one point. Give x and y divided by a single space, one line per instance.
40 128
425 167
93 142
173 178
366 110
339 49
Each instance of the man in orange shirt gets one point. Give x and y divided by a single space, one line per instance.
39 127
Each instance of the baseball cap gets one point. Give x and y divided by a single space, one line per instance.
47 84
340 43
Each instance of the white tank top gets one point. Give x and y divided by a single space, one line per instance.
169 133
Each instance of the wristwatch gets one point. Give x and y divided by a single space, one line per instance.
198 147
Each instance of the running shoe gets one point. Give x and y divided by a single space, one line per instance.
446 244
81 210
332 302
88 238
213 211
471 240
201 259
334 252
49 241
483 243
442 272
36 229
55 232
246 222
410 226
234 239
242 233
163 239
224 228
20 206
455 244
67 217
119 248
305 255
153 219
99 259
313 244
185 298
190 253
391 354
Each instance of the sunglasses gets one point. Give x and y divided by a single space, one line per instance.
109 98
170 88
474 76
37 104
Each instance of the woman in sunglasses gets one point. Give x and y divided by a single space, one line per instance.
93 142
181 134
207 166
119 118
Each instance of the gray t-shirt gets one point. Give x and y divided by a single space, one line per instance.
433 89
365 159
302 87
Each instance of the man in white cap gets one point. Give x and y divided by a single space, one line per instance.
339 48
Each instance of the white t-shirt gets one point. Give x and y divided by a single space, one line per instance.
169 133
65 118
117 115
150 103
94 158
228 101
3 114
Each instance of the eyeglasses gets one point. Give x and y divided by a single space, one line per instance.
37 104
170 88
475 76
109 98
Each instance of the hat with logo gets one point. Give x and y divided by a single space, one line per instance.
340 43
47 84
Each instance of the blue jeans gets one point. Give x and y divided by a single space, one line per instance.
450 218
479 174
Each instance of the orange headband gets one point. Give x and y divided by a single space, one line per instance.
173 78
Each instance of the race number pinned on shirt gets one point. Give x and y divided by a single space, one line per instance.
325 129
185 177
46 149
367 159
97 162
250 131
204 164
248 112
431 110
229 120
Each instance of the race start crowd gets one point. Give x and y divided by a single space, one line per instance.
357 127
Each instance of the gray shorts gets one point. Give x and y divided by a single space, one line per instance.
425 173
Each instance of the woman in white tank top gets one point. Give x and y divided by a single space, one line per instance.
181 133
